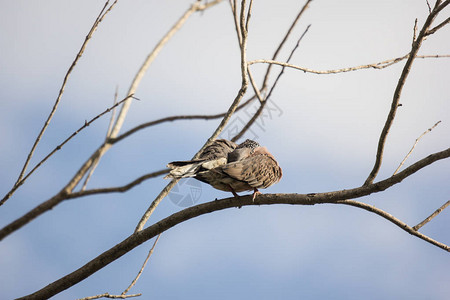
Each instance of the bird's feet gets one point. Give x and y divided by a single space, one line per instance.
255 193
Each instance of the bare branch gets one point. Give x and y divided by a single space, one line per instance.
378 65
434 29
207 5
287 61
108 133
119 189
429 218
108 295
414 33
255 88
61 196
249 15
113 114
438 6
285 38
143 266
394 220
414 146
143 235
263 103
86 124
233 6
398 90
94 27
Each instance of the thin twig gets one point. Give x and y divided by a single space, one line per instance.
429 218
233 6
414 146
263 103
138 238
143 266
119 189
113 114
283 41
57 148
255 88
94 27
378 65
108 133
287 61
266 76
398 90
109 296
434 29
414 33
249 15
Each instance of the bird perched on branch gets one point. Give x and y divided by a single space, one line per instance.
229 167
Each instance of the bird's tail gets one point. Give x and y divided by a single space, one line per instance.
181 169
190 168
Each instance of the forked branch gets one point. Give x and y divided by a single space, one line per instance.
94 27
398 90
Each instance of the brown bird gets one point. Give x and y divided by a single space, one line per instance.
230 167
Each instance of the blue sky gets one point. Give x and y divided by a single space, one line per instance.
324 135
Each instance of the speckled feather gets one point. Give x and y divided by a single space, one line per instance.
258 170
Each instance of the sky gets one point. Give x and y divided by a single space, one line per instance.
323 130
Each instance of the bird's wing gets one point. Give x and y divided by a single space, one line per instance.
259 171
218 149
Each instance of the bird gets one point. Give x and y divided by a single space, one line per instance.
230 167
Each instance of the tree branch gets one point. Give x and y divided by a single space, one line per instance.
433 30
58 198
143 266
57 148
283 41
119 189
394 220
263 103
140 237
94 27
398 90
429 218
414 146
109 296
378 65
